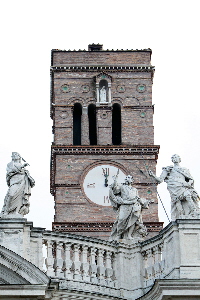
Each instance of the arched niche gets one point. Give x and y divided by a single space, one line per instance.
103 88
103 91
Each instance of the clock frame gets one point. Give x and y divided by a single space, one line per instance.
96 180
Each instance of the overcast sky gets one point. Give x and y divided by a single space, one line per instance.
30 29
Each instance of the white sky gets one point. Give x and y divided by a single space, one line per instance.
30 29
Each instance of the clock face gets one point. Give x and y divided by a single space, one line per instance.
97 180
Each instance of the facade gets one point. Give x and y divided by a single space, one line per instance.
101 106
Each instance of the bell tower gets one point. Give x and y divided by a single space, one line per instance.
101 106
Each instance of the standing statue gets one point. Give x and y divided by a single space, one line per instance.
103 94
125 199
16 202
180 184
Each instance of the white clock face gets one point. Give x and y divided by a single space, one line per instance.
97 180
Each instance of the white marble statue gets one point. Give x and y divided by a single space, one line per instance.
103 94
180 184
125 199
19 181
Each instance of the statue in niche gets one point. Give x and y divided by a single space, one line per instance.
125 199
103 94
19 181
180 184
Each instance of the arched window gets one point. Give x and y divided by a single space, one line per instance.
116 124
77 124
92 124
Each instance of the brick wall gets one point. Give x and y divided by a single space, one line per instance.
101 57
131 88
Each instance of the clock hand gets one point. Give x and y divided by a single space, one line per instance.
106 174
106 180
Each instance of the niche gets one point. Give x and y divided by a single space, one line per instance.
103 91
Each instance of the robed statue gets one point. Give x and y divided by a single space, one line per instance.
125 199
180 184
19 181
103 94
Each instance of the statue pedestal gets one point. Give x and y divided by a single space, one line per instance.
131 241
15 235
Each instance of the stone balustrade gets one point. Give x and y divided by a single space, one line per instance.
79 258
153 262
120 269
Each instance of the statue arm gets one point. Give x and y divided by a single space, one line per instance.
161 178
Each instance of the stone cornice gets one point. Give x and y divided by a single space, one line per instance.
110 68
106 150
26 271
97 226
104 50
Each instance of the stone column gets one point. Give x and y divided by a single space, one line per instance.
97 92
85 126
109 92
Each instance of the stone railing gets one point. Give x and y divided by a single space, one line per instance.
153 262
124 270
79 258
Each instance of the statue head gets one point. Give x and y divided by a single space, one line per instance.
128 179
176 158
16 156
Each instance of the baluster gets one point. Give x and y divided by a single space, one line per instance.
150 263
100 267
149 257
93 266
67 261
114 267
49 261
144 255
85 264
76 263
109 270
159 260
156 254
59 260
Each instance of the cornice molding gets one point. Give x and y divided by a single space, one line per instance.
74 68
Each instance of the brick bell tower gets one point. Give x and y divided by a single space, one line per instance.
101 106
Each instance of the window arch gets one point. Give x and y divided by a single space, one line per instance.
92 124
77 113
116 124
